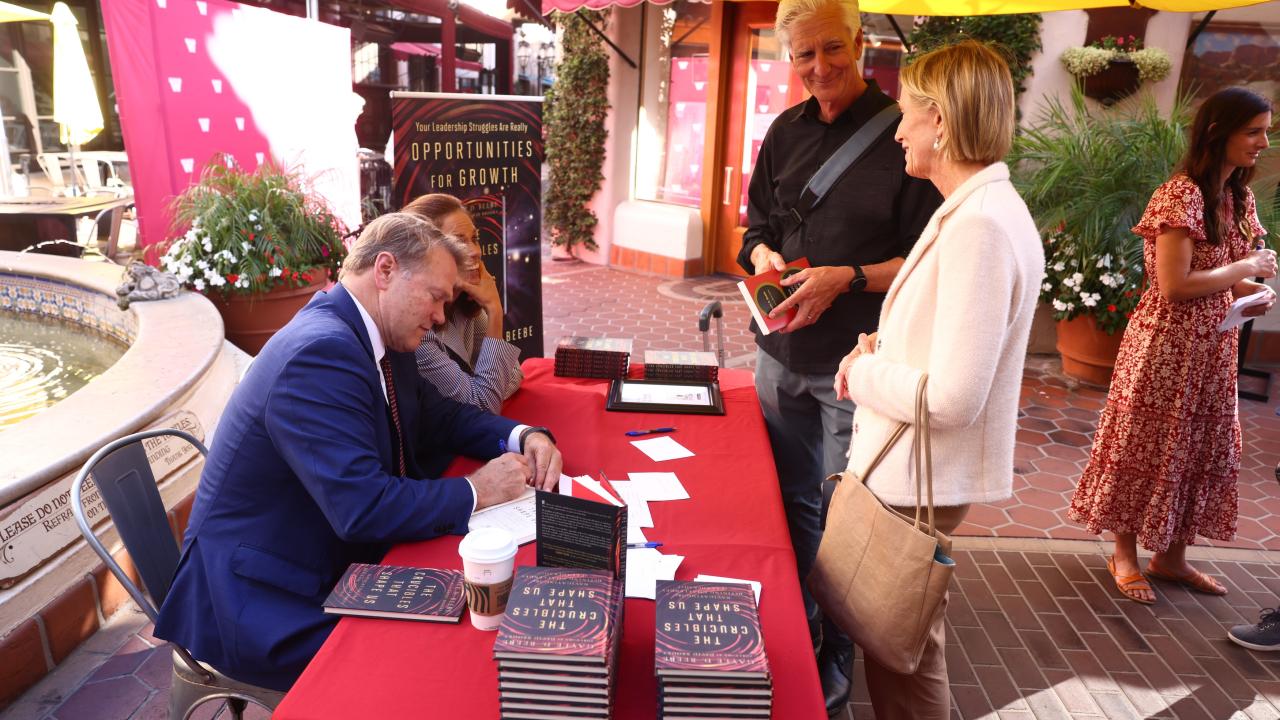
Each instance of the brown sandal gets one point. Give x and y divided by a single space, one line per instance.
1193 579
1128 585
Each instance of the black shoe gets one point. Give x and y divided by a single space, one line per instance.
1264 637
815 631
834 666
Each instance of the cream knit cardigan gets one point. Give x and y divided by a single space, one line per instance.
960 309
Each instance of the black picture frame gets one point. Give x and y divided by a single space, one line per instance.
715 406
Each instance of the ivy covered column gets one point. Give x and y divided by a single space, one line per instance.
574 126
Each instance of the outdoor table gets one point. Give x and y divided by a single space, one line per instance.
25 221
732 526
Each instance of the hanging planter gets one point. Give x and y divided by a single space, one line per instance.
1119 79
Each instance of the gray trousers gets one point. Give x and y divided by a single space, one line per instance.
810 432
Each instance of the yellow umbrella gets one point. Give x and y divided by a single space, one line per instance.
75 99
13 13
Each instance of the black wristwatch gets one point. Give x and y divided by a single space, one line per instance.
535 429
859 281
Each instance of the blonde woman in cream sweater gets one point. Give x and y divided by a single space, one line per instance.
959 311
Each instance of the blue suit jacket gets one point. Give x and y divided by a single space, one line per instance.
298 485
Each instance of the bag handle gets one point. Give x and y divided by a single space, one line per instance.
922 452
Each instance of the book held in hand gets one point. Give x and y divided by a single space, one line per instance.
403 593
765 291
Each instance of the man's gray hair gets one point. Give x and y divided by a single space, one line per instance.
790 11
409 239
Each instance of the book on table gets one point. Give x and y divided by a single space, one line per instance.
557 646
680 365
397 592
593 357
587 529
765 291
709 651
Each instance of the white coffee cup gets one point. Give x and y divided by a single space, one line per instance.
488 561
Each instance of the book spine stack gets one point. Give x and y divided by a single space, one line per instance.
709 653
572 362
701 373
557 662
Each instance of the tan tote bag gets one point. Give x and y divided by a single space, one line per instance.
881 575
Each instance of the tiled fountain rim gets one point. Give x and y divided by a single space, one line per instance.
174 344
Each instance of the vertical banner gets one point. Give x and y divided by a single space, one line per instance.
485 150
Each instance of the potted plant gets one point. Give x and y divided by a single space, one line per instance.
1087 177
257 244
1113 66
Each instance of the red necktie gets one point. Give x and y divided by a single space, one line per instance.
385 364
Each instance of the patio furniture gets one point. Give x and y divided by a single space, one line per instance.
123 479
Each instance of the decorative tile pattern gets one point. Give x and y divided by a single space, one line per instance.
45 297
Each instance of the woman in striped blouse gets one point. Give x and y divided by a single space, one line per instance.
466 358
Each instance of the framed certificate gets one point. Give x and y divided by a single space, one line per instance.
665 396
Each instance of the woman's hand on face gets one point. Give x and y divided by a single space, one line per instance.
485 292
1264 308
866 346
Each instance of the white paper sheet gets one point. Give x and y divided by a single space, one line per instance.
755 584
662 448
1235 316
635 534
658 486
594 486
517 516
637 507
566 485
645 567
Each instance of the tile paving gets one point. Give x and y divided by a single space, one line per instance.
1035 628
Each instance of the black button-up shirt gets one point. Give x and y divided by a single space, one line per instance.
874 213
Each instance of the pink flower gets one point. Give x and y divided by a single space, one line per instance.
324 250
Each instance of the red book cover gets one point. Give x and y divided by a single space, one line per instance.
708 629
391 591
764 292
565 614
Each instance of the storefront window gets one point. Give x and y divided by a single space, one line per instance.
673 111
768 79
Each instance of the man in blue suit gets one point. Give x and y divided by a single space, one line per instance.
317 459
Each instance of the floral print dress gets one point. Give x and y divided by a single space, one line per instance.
1166 455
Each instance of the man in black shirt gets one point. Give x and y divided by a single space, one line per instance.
855 241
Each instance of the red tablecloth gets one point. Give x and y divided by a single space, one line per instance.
733 526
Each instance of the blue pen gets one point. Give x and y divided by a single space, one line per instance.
644 545
502 446
638 433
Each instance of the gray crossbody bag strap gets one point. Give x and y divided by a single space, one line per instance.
815 191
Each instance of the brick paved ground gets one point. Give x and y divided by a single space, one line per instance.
1035 628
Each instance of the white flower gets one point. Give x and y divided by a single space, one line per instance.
243 282
244 245
198 284
1070 307
1107 279
1059 305
275 272
208 246
1077 278
1059 266
202 265
1105 261
215 280
1087 300
1047 287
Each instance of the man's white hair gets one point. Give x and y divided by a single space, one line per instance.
791 11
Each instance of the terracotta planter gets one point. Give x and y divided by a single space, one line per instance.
251 320
1118 80
1088 354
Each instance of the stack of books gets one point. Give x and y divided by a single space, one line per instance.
680 365
709 652
557 647
593 357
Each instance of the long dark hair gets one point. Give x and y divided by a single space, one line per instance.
1225 112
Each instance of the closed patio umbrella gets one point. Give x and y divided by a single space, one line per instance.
13 13
75 99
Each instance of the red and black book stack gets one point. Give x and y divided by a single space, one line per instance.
680 365
709 652
593 357
557 647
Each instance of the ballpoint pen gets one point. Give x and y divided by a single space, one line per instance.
644 545
637 433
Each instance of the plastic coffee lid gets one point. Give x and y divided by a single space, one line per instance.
488 545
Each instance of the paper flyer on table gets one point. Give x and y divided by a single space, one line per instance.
518 516
662 448
645 567
755 584
1235 316
658 486
637 506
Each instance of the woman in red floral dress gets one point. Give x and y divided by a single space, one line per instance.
1166 456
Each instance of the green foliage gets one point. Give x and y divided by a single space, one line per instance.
1087 176
250 232
1017 37
1153 63
574 115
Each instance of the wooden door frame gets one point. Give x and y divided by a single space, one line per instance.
722 15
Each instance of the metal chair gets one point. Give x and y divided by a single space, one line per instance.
123 478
